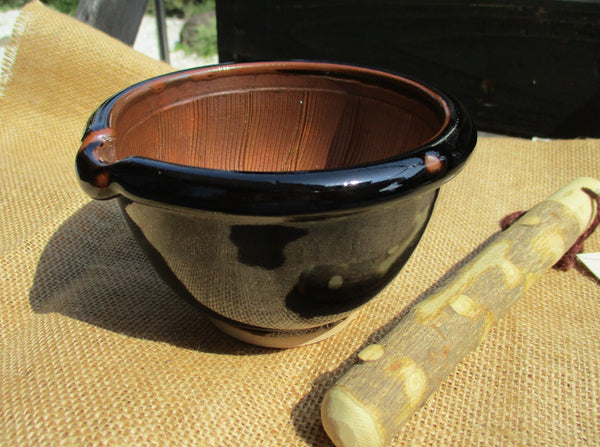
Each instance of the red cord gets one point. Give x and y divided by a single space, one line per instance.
568 259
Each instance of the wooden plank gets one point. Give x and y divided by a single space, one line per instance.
521 67
118 18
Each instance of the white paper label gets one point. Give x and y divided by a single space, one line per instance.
591 261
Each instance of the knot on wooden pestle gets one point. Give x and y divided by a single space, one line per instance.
568 259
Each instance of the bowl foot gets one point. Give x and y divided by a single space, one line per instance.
281 339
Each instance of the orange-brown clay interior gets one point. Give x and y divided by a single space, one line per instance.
273 121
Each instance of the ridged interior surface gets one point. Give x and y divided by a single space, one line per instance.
273 121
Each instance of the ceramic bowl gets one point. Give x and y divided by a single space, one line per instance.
281 196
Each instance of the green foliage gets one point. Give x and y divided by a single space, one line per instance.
173 8
12 4
199 33
200 38
184 8
64 6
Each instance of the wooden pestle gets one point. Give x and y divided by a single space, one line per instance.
375 397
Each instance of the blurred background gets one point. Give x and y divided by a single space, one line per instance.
191 28
525 68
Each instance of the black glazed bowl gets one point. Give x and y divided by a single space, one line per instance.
278 196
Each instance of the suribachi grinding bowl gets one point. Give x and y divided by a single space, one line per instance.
277 196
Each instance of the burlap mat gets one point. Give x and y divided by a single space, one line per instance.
96 349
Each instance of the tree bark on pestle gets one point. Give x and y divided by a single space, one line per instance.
374 398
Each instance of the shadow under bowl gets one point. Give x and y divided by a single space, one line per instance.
278 196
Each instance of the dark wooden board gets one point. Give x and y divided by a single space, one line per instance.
524 68
118 18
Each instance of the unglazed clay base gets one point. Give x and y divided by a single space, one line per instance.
281 339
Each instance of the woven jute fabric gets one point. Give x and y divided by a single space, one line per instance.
96 350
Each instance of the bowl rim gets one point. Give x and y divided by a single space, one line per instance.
267 193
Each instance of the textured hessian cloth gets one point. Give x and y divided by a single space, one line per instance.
95 349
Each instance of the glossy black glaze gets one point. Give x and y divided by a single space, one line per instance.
276 251
280 273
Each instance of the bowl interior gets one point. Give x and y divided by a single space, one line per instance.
275 120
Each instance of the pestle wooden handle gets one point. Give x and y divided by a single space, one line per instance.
374 398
